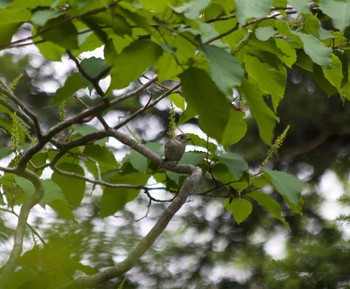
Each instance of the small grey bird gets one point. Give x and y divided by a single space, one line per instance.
175 147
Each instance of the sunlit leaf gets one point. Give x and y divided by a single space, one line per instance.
133 61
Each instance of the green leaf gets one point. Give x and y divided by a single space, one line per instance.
61 32
264 116
134 60
5 151
216 117
248 9
52 192
73 83
264 33
177 100
269 204
94 66
158 6
72 188
192 9
115 199
289 54
334 75
40 17
102 156
235 164
11 16
235 128
25 185
54 197
300 6
84 129
193 158
239 208
271 80
10 21
138 161
288 186
314 48
167 68
50 50
31 3
339 11
225 69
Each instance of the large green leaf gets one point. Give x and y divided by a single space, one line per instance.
94 66
61 32
339 11
114 199
235 128
314 48
54 197
225 69
271 80
167 68
288 186
50 50
134 60
248 9
103 156
214 110
239 208
25 185
269 204
334 75
235 164
263 115
10 20
72 188
40 17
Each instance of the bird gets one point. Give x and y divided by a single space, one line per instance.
175 148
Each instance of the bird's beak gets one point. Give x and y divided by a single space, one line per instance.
188 138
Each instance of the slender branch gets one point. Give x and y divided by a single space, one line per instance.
28 225
22 222
147 106
23 107
93 81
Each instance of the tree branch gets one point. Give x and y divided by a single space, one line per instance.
26 111
94 111
22 222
